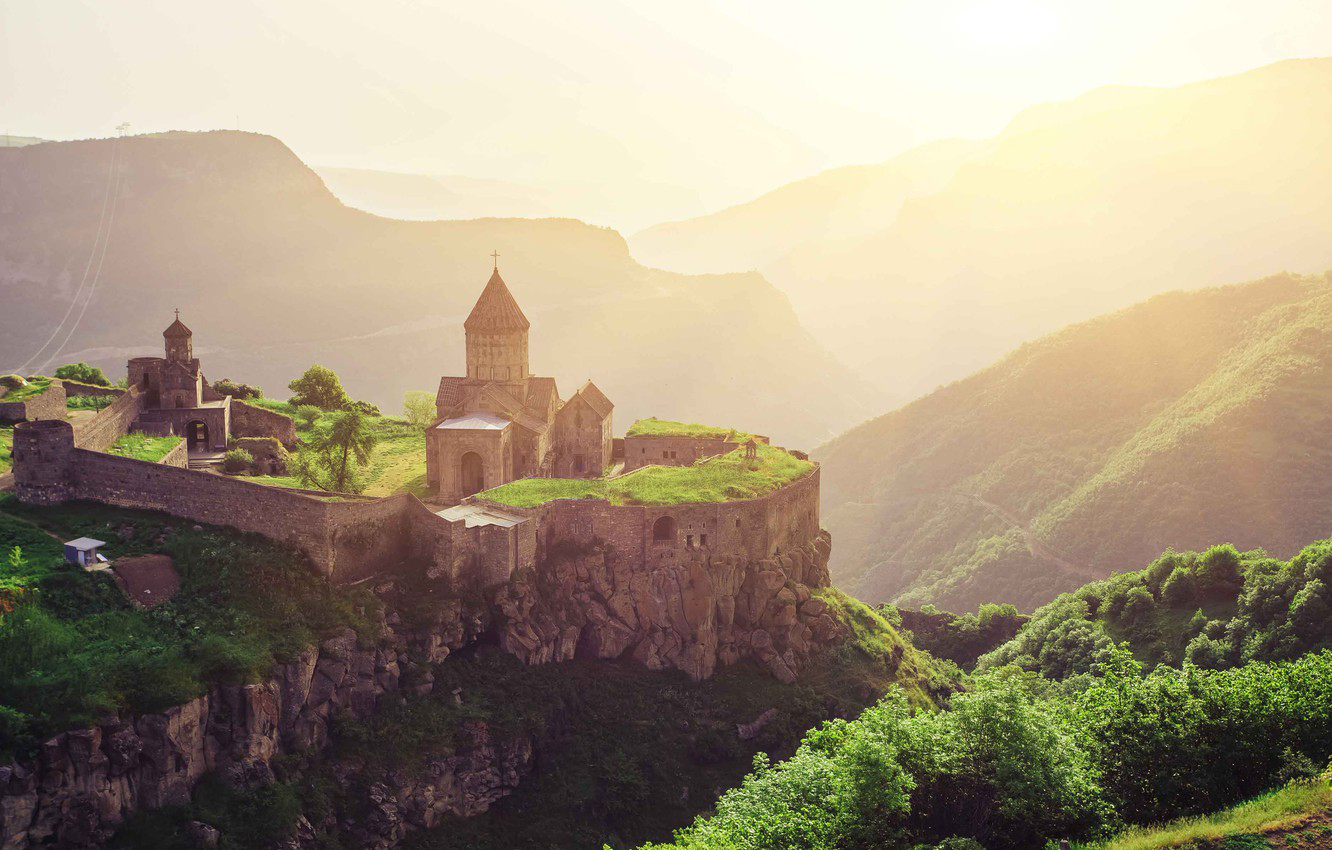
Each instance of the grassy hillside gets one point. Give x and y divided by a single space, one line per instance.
837 204
1076 209
273 273
1189 419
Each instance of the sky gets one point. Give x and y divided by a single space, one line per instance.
635 112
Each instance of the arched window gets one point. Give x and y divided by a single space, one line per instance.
472 474
663 530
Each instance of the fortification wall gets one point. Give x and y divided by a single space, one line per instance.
250 421
50 404
111 423
178 457
77 388
671 451
755 529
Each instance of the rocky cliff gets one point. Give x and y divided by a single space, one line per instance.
83 784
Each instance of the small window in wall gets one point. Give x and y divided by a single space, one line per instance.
580 463
672 455
642 450
737 522
702 540
665 455
689 541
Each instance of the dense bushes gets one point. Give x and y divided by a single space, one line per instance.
1216 609
83 373
959 638
1018 762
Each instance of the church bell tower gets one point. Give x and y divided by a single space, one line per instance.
496 334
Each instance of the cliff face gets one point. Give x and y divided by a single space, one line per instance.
691 616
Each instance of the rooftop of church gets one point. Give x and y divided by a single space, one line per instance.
723 478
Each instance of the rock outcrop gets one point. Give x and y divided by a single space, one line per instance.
690 615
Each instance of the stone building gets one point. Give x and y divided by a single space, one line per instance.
500 422
177 400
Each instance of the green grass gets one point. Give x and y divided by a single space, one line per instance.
397 465
6 448
1278 811
76 649
141 447
36 386
726 478
88 402
654 427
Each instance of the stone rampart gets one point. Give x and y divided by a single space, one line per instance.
49 404
111 423
178 457
77 388
672 451
248 420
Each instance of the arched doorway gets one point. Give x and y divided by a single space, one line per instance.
663 530
472 474
196 436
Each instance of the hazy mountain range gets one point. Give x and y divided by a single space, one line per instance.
1188 420
273 273
957 253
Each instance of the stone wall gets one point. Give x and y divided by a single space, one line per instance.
111 423
50 404
77 388
178 457
672 451
250 421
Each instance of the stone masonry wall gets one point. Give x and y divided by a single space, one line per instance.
111 423
178 457
250 421
49 405
671 451
77 388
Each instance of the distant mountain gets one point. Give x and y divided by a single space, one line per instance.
425 197
1186 420
836 204
7 141
1077 208
273 273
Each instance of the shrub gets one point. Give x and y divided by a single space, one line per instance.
12 382
83 373
419 408
307 415
365 408
237 460
226 386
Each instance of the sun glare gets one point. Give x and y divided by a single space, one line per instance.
1007 23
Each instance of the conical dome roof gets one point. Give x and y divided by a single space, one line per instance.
496 309
177 329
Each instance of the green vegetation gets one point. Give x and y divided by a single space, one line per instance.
397 463
237 461
83 373
1015 762
6 448
1244 827
72 647
29 388
1214 609
141 447
726 478
961 639
333 456
418 408
1191 418
88 402
320 387
653 427
244 392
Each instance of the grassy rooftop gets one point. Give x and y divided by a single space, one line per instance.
141 447
726 478
653 427
35 387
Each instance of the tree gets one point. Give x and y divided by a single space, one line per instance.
334 454
226 386
82 373
319 386
307 415
419 408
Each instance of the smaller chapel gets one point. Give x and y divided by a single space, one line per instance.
500 422
177 398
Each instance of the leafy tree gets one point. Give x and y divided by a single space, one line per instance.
365 407
320 387
237 460
419 408
226 386
333 455
307 415
83 373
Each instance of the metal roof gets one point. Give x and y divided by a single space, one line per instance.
475 515
83 544
475 422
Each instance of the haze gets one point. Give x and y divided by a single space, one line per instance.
619 114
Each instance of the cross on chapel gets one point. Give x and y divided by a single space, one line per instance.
495 256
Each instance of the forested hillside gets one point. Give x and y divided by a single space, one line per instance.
273 273
1188 419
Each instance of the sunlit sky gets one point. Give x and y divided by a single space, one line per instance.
659 109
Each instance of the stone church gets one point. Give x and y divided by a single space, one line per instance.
500 422
177 399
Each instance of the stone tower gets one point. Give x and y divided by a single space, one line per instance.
43 461
179 342
496 335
